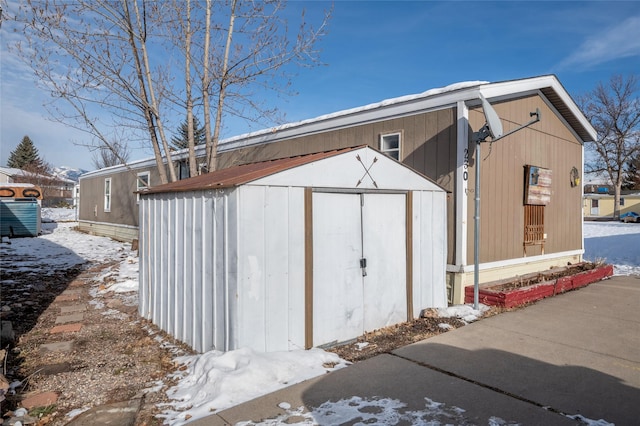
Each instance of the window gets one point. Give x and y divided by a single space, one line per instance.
183 169
390 144
622 201
142 182
107 195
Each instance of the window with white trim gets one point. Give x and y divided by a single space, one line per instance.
390 144
142 182
107 195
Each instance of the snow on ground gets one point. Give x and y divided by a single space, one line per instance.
615 243
464 312
215 380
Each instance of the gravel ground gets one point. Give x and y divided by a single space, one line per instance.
116 355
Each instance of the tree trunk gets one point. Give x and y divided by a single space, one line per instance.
143 96
213 150
154 103
193 169
206 83
616 198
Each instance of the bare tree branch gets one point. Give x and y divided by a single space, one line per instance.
614 112
110 62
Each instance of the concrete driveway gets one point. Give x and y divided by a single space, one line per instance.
570 359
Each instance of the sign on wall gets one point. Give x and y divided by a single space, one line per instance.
537 186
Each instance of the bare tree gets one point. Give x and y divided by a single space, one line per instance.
118 153
92 54
115 56
614 112
257 57
247 48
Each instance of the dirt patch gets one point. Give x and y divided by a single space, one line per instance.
115 356
388 339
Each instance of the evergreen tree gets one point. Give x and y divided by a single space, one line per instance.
181 140
632 173
25 155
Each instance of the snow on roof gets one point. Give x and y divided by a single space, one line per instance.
11 171
376 105
17 185
596 178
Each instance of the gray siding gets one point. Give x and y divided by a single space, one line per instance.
124 205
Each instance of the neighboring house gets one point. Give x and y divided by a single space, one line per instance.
54 188
431 133
600 203
108 200
12 175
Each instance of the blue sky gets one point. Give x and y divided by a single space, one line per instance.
375 50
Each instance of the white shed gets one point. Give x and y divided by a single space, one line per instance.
292 253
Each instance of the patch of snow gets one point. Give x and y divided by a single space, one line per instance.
445 326
48 215
362 345
217 380
114 313
379 411
13 386
589 422
157 387
75 413
464 312
616 243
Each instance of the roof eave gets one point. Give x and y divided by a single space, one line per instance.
552 89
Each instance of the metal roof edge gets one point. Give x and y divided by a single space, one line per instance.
268 168
436 98
505 88
410 104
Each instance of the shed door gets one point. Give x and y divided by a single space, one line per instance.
349 230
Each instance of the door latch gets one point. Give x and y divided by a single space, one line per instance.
363 266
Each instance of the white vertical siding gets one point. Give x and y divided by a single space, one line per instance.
296 272
187 272
429 250
271 258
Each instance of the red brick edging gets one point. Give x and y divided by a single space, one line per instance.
494 296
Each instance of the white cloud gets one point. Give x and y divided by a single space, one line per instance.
620 41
